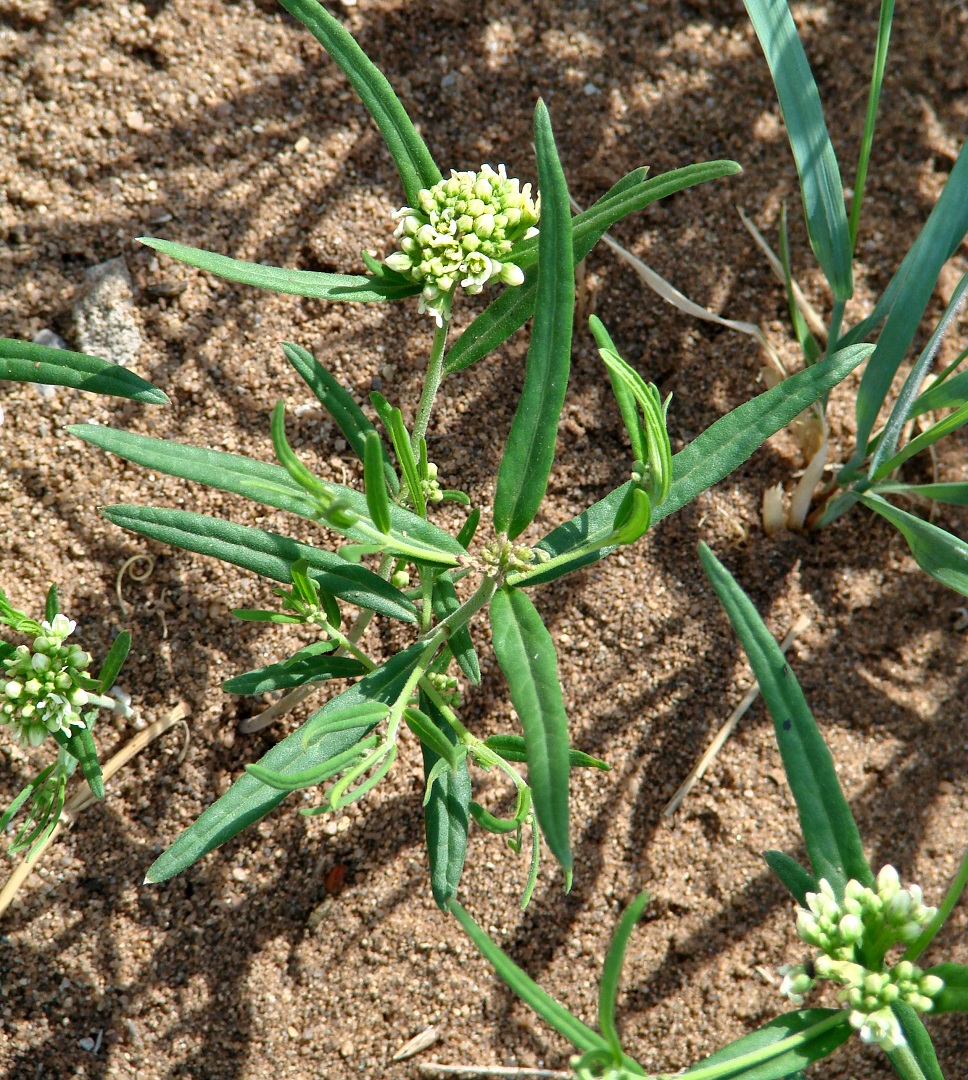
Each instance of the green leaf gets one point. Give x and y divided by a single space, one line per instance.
511 310
469 528
393 422
445 602
954 996
530 449
114 661
21 361
512 748
309 664
919 1044
265 553
927 438
526 654
808 343
416 166
955 494
340 405
24 794
262 482
80 744
937 551
820 183
831 1029
791 874
431 736
446 815
829 830
248 799
906 297
720 449
51 607
374 483
360 288
950 394
612 971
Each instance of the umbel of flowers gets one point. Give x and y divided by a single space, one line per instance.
460 233
854 936
41 693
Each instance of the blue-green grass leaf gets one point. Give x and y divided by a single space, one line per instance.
526 654
530 449
829 830
951 394
927 438
954 493
820 182
22 361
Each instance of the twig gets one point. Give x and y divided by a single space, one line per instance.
481 1072
83 798
727 729
126 569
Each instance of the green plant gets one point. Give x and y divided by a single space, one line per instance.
47 688
867 932
469 230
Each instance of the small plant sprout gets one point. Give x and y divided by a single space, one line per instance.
46 688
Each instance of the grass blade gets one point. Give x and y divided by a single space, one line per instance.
829 830
820 182
951 394
416 167
714 454
22 361
530 449
938 553
526 654
248 799
927 438
955 494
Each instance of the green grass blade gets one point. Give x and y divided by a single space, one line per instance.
829 830
446 815
820 184
361 288
927 438
248 799
612 972
445 602
530 449
339 403
808 343
309 664
114 661
900 413
951 394
906 298
557 1016
955 494
919 1044
937 552
416 167
515 305
265 553
526 654
714 454
797 880
22 361
257 480
873 99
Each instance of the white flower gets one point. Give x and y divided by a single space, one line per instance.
880 1027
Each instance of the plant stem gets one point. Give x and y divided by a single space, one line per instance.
903 1057
435 373
952 897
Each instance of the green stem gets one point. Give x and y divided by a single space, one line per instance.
736 1065
903 1057
347 644
435 373
445 629
952 897
518 576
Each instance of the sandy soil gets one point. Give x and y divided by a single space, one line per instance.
188 115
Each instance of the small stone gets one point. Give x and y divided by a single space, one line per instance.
86 1044
50 339
104 317
591 89
135 120
302 145
292 1032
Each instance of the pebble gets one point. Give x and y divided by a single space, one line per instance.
104 317
302 145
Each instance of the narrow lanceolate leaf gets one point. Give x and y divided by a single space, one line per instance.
920 1046
820 183
953 493
954 996
374 482
361 288
22 361
927 438
262 482
526 653
446 814
951 394
80 744
310 664
612 971
797 880
937 551
265 553
445 602
829 830
416 167
339 403
248 799
530 449
906 297
511 310
720 449
114 661
780 1048
512 748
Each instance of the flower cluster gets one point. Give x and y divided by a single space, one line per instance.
430 487
42 692
854 935
504 555
446 686
461 232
